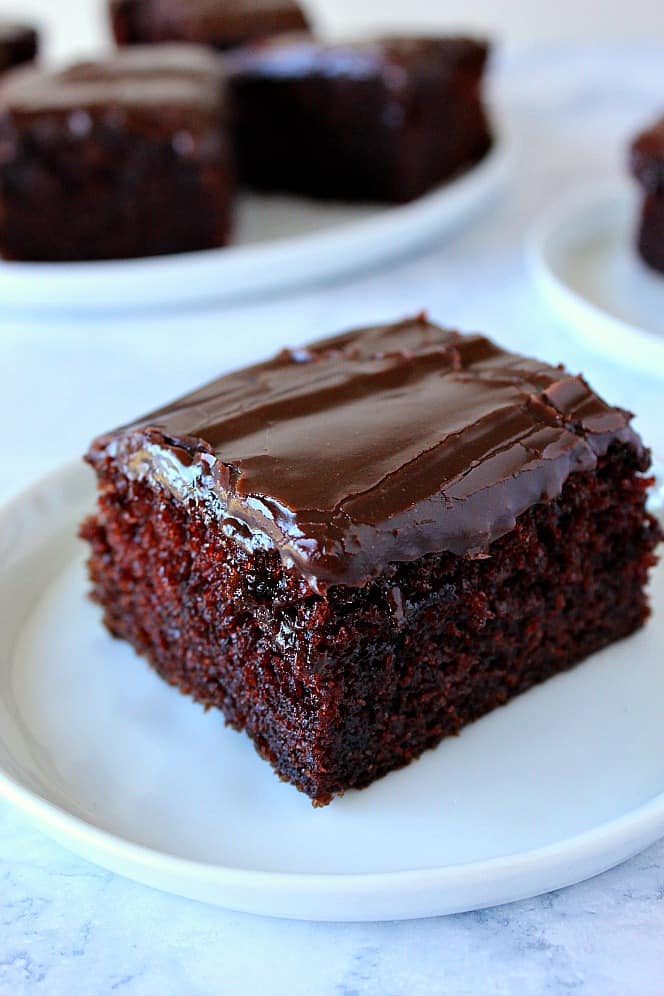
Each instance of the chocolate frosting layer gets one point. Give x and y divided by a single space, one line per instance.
295 55
377 446
173 74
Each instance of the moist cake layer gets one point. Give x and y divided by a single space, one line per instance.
378 446
19 43
647 162
647 155
121 158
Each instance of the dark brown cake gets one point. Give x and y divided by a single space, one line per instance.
375 121
18 44
647 160
358 547
113 159
223 24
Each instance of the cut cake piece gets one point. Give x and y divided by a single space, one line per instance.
118 158
358 547
382 120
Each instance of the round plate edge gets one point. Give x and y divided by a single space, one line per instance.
403 894
578 313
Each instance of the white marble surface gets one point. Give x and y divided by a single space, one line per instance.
69 928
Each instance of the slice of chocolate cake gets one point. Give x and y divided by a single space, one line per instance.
19 43
223 24
113 159
382 120
356 548
647 161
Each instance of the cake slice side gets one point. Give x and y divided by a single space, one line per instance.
120 158
647 165
338 690
340 679
386 120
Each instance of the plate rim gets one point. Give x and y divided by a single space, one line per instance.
571 307
498 153
394 230
402 893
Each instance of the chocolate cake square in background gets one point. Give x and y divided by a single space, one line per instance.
223 24
648 167
379 120
358 547
124 157
19 43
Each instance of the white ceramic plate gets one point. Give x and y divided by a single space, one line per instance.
563 783
280 242
583 255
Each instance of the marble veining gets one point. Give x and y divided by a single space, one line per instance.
67 927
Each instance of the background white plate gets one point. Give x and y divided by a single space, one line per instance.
280 243
564 782
584 259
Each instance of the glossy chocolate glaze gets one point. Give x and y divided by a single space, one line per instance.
647 158
150 74
391 58
377 446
